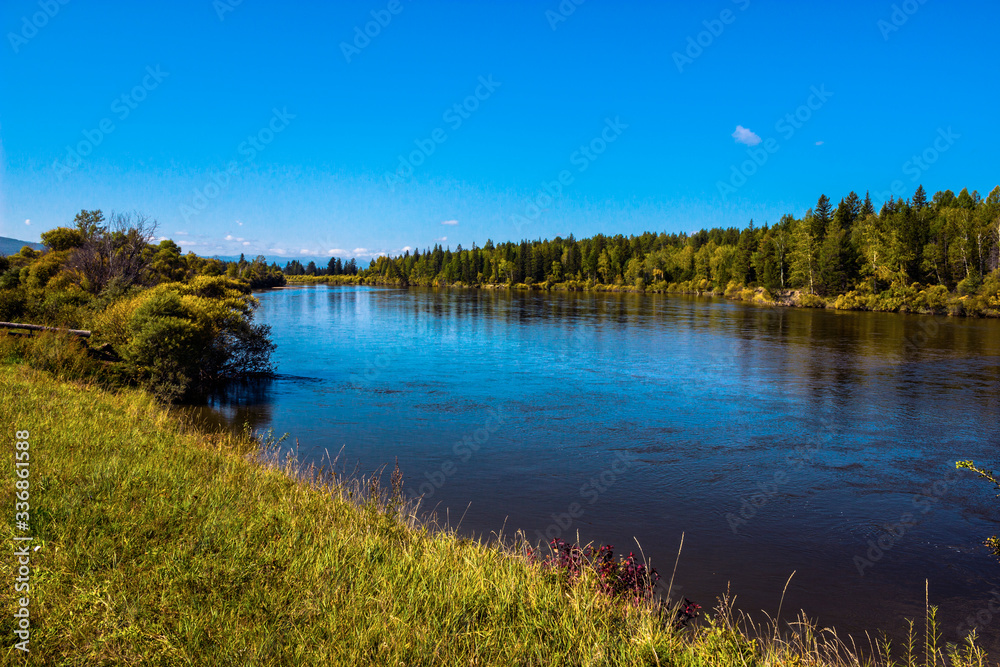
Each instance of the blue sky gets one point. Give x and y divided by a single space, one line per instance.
282 129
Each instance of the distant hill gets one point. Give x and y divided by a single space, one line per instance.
13 246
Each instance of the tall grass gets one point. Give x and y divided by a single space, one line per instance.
163 545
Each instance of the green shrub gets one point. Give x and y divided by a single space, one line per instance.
11 278
807 300
12 304
166 347
932 299
181 337
970 285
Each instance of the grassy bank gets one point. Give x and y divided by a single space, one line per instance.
162 545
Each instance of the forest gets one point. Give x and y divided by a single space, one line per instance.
926 255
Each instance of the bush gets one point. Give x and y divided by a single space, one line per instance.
165 346
932 299
807 300
181 338
11 278
970 285
12 304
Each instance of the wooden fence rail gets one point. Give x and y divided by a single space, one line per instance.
36 327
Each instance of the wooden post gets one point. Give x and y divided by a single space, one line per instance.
36 327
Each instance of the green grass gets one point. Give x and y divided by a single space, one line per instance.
161 545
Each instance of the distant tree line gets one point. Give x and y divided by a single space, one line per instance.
335 267
949 241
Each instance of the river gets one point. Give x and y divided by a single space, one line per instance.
777 440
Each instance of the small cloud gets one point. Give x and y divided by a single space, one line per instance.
450 222
745 136
361 251
239 238
382 254
246 243
229 237
181 233
239 223
280 251
304 251
27 222
406 248
336 251
443 238
819 143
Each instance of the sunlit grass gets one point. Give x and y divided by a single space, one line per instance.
163 545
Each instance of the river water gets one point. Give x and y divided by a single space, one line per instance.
776 440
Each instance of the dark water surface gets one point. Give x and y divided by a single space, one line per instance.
777 440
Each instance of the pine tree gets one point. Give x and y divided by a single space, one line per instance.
821 217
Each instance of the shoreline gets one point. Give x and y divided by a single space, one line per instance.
915 300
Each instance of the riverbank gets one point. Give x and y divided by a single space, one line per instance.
920 299
160 544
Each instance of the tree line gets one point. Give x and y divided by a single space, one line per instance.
335 267
951 242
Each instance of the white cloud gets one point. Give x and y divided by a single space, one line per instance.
246 243
280 251
181 233
239 223
745 136
336 251
450 222
443 238
361 251
382 254
229 237
406 248
304 251
819 143
27 222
